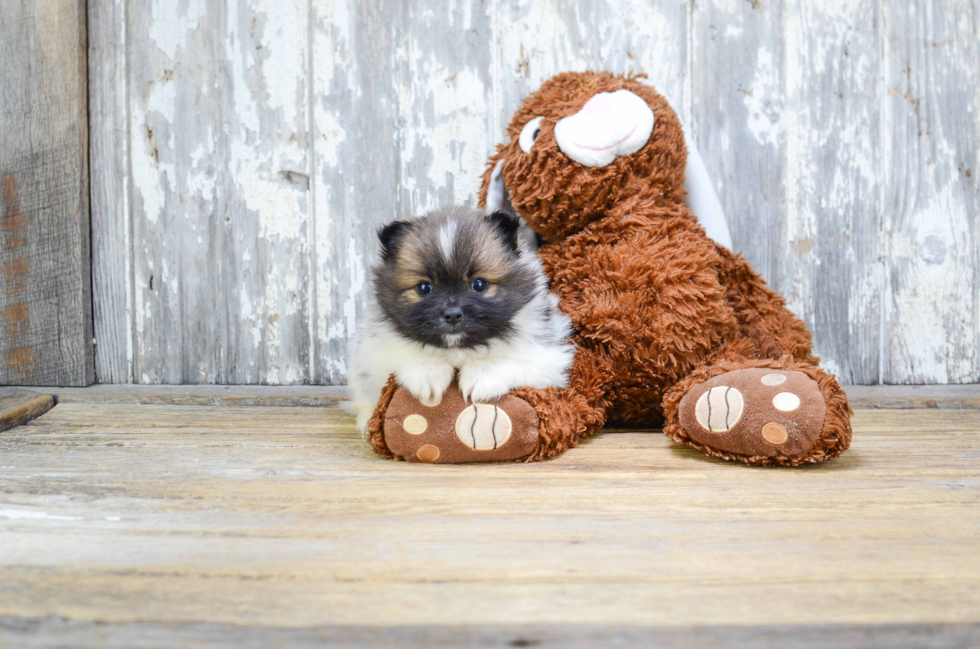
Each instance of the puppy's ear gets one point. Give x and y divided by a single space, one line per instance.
507 226
391 237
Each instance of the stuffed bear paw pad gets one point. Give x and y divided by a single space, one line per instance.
755 412
452 431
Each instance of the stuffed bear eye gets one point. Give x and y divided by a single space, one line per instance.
479 284
423 288
529 134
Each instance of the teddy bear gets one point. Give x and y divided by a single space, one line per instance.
671 328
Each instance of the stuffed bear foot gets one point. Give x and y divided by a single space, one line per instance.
765 415
452 431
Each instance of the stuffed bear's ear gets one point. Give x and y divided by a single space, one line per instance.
508 225
497 196
391 237
701 196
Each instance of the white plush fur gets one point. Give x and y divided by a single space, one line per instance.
611 124
536 354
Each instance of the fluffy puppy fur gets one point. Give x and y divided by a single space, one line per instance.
458 291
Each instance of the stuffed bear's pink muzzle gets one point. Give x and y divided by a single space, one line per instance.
610 124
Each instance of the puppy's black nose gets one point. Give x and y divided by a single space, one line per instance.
452 315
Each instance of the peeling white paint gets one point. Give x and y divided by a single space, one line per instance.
765 122
445 123
170 21
266 149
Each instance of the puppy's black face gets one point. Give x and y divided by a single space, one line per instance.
454 278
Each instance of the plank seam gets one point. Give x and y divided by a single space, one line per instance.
313 280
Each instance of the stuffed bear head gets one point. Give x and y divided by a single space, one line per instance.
584 143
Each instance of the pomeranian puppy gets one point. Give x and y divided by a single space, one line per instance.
458 290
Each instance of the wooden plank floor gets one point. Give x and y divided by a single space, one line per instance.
147 525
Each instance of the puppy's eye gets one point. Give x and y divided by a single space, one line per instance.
479 284
529 134
423 288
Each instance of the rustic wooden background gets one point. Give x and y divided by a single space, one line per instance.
45 267
242 154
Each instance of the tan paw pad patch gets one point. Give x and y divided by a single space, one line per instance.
415 424
428 453
483 427
719 409
773 379
775 433
786 402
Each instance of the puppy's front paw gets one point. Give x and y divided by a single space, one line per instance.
426 381
483 382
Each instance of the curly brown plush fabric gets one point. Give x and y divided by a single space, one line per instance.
375 427
658 307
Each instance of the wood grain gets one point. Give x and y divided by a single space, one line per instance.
55 631
110 182
831 258
889 397
842 136
20 406
45 275
787 109
221 202
931 192
174 518
913 396
216 395
739 98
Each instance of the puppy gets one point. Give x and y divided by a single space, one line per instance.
458 291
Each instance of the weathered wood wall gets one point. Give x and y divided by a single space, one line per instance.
45 273
243 154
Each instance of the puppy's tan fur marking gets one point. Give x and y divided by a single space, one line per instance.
492 261
410 267
411 296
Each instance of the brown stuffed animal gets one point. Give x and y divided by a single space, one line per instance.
671 327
